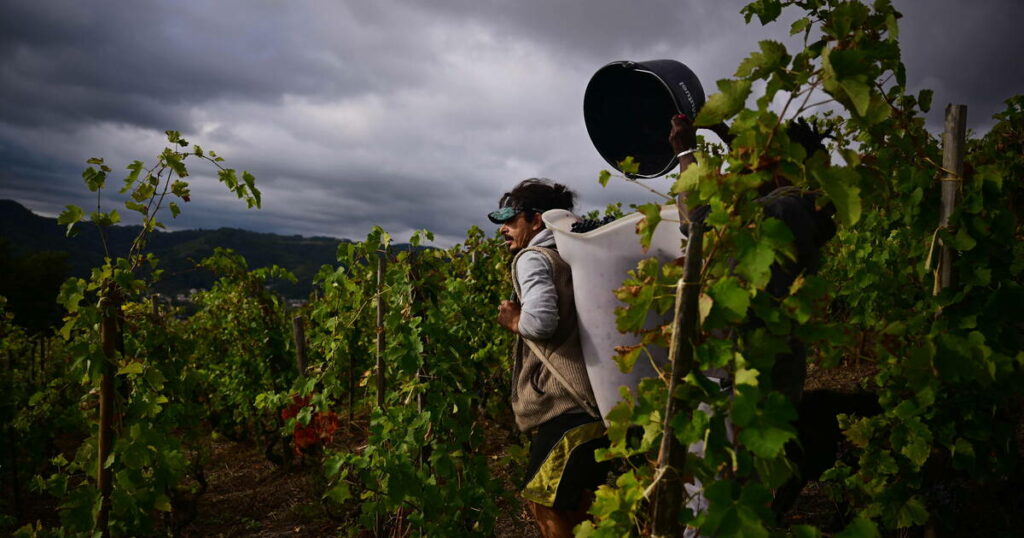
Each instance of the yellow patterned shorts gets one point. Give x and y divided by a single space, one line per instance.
562 464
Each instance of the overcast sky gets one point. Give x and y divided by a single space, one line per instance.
400 113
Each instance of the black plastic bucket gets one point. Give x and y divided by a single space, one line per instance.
628 108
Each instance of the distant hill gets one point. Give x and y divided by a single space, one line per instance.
24 233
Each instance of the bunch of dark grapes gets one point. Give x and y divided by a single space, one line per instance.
585 225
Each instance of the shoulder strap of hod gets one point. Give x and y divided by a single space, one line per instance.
573 393
537 350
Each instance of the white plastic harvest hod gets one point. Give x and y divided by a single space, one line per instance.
600 260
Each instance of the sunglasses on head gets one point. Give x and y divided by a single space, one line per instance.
506 214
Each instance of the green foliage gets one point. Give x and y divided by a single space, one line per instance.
30 284
948 363
446 366
157 403
244 326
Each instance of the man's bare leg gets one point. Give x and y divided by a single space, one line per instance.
559 523
551 522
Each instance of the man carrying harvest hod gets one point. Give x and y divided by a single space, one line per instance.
551 394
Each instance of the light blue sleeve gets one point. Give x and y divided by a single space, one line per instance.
539 298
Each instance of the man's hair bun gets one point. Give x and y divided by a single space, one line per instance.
539 194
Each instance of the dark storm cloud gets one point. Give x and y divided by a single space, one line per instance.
147 62
966 52
596 30
395 112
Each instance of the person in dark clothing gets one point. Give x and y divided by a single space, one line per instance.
819 440
810 226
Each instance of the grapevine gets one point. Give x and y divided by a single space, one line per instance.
407 448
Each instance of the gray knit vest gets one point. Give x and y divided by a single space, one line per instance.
550 377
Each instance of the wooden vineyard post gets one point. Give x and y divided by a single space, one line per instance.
351 382
12 442
42 356
953 144
416 300
669 490
299 335
109 329
31 362
12 452
381 269
154 304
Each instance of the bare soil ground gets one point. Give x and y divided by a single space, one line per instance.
250 496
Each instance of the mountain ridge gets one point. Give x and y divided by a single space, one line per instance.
24 233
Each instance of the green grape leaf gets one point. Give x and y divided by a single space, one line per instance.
859 528
135 168
845 18
137 207
632 318
629 166
162 503
71 215
912 513
180 189
759 64
799 25
859 93
175 162
143 192
255 199
627 358
755 260
689 179
104 219
805 531
72 293
228 177
731 301
339 493
94 179
892 27
962 241
860 433
840 185
766 10
646 226
729 100
848 64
